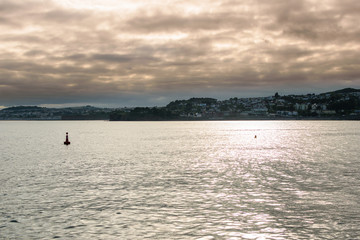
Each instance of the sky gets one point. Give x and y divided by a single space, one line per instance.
150 52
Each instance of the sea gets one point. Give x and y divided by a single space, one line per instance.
199 180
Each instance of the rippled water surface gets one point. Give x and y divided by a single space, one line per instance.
180 180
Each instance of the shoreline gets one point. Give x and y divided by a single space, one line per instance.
346 118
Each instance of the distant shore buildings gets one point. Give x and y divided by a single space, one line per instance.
339 104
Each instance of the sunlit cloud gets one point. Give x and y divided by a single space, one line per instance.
57 52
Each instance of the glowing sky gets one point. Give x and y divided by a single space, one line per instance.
149 52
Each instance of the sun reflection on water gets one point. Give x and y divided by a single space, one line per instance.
181 180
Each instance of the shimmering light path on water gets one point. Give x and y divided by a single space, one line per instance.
180 180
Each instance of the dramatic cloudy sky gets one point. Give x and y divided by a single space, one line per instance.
149 52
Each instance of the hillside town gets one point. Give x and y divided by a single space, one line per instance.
344 102
341 104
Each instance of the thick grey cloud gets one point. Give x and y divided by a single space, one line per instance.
150 53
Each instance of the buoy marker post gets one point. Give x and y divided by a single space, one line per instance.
67 142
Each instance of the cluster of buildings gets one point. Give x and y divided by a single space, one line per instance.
42 113
340 103
345 102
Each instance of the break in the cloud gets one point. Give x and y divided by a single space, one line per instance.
149 52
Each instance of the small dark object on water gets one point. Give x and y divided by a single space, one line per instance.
70 227
255 136
67 140
14 221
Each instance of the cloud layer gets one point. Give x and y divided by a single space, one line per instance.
73 51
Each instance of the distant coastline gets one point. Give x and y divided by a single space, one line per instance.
342 104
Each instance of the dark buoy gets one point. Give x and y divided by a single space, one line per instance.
67 140
255 136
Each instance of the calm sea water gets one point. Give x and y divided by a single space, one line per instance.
180 180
